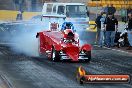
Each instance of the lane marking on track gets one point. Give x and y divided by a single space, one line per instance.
115 49
6 81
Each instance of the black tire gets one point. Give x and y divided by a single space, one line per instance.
55 55
88 55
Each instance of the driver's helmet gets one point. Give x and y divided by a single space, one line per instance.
67 25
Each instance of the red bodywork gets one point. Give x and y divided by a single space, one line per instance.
54 39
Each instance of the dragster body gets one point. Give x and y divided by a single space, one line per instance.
58 45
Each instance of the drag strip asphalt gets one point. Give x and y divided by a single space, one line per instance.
34 72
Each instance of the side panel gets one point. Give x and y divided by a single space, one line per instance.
45 43
41 42
48 43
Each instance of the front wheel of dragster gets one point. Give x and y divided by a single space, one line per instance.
55 55
88 55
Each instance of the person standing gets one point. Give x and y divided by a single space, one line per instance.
98 23
123 13
130 30
19 4
110 9
129 10
111 25
106 9
102 31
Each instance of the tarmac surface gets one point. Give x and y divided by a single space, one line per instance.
32 72
24 71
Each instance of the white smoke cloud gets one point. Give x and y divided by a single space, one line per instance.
25 41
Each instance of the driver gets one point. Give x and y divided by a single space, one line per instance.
68 32
67 25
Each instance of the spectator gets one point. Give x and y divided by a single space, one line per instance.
130 30
111 25
110 9
106 9
102 31
98 23
129 10
19 16
123 14
19 4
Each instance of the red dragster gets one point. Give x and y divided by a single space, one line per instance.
58 45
